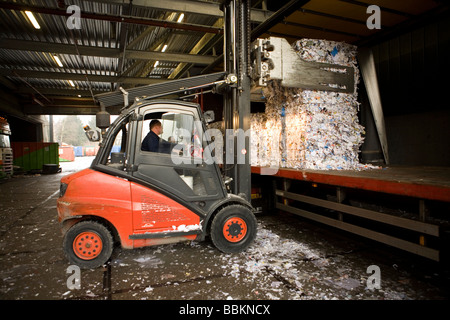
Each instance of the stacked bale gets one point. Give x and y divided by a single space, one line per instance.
310 129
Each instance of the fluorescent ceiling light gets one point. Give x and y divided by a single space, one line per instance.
71 83
58 61
180 18
32 19
164 48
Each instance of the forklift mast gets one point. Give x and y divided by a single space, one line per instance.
236 101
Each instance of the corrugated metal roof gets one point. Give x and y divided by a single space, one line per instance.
105 41
94 33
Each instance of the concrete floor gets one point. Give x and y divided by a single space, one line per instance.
290 259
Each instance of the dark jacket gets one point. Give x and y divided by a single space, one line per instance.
153 143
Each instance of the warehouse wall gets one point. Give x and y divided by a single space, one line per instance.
419 138
412 73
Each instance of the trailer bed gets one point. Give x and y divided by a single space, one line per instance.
431 183
355 201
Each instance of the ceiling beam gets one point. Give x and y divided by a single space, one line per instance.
69 102
201 44
112 18
192 7
76 77
58 92
301 25
7 83
277 17
66 110
59 48
385 9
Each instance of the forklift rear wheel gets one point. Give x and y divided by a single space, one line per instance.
233 229
88 244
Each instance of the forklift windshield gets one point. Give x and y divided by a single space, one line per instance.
178 134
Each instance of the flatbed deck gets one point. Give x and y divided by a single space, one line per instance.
428 183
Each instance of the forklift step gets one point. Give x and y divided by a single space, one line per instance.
167 234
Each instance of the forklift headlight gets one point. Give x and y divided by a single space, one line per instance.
62 189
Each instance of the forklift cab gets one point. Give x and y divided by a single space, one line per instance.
178 169
142 198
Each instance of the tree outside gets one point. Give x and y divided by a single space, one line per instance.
69 130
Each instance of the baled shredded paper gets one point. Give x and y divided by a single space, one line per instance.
309 129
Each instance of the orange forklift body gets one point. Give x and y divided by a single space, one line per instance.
132 209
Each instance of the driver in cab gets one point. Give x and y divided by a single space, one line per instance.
152 142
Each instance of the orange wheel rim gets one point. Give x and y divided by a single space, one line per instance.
235 229
87 245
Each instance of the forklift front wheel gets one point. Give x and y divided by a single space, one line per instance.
88 244
233 229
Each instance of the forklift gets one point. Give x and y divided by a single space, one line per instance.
142 198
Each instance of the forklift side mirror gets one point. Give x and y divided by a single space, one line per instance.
209 116
228 180
92 135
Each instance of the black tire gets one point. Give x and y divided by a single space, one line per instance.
233 229
94 247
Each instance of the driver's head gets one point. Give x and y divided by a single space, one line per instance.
155 126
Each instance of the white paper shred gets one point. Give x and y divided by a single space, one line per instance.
309 129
